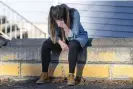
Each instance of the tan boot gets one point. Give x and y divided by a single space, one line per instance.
71 80
43 78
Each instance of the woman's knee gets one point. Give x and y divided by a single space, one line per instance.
74 44
47 43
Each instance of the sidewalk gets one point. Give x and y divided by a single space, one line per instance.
97 84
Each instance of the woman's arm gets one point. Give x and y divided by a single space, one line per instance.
63 45
74 31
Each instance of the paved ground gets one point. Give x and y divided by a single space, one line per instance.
30 84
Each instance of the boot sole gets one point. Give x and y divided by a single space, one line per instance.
70 84
42 82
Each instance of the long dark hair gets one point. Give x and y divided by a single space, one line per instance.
59 12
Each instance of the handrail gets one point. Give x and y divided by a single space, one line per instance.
23 18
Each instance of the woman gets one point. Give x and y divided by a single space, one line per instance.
66 33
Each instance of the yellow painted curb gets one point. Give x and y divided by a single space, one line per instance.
122 71
61 70
96 71
9 69
30 69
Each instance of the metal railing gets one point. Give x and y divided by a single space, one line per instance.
14 25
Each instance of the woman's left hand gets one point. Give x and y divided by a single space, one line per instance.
65 27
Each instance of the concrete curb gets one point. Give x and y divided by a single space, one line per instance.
94 62
92 71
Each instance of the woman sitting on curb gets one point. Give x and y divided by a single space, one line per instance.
66 33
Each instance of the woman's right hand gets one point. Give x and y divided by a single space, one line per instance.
63 45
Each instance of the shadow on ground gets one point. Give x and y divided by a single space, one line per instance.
57 84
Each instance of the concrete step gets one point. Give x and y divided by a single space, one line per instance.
20 53
91 55
29 49
22 58
26 42
113 42
32 68
3 41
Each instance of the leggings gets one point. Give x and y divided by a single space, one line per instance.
48 46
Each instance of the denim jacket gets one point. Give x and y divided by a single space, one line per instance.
76 32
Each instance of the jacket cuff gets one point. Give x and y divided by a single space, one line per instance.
57 38
70 34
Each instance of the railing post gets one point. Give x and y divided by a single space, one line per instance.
21 29
21 21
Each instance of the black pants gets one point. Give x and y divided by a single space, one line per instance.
48 46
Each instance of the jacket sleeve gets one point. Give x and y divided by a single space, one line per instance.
74 31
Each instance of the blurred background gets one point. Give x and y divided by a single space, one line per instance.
28 18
